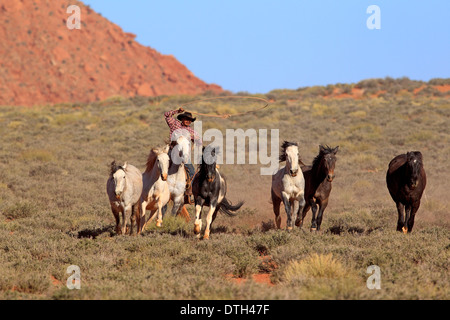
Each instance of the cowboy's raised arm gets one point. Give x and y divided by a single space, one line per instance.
169 115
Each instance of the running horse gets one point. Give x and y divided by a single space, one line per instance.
406 181
209 188
155 190
288 185
179 154
318 179
124 188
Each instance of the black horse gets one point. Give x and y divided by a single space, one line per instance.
318 178
406 180
209 188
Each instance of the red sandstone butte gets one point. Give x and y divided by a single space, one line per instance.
44 62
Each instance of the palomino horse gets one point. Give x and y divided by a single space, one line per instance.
124 188
179 155
318 178
209 188
406 180
288 185
155 191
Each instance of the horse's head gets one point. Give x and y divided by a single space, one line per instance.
209 159
289 153
181 147
162 161
118 173
328 156
413 167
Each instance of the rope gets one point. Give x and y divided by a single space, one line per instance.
226 116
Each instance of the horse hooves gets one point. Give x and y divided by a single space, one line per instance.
206 237
289 228
159 223
313 229
405 230
196 229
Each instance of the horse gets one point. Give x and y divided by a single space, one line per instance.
288 185
209 188
406 181
124 188
318 179
176 180
155 191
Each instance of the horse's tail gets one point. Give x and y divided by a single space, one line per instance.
228 208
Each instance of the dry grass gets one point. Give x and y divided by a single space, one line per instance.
54 210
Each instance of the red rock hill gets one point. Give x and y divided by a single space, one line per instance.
42 61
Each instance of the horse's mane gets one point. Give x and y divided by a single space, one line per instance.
284 146
401 159
203 162
324 150
154 152
114 167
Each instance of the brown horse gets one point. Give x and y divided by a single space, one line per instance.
318 178
406 180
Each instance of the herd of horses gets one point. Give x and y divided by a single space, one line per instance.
298 186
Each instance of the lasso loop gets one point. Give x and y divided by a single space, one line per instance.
226 116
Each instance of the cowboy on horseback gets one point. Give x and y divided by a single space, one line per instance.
183 122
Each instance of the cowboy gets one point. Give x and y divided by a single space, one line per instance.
184 122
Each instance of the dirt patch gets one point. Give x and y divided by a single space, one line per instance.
263 277
443 88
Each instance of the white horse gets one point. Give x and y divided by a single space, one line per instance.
288 185
155 191
124 188
179 154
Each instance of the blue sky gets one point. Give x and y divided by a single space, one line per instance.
260 45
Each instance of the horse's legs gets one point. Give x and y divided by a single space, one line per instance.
177 202
215 214
164 209
126 214
116 214
134 212
185 214
198 216
276 202
287 207
209 217
294 209
414 209
141 216
322 206
300 208
151 217
400 222
408 209
305 209
314 211
159 220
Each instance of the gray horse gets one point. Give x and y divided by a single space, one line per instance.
176 179
124 188
288 185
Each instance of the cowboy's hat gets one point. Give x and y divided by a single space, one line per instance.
186 116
